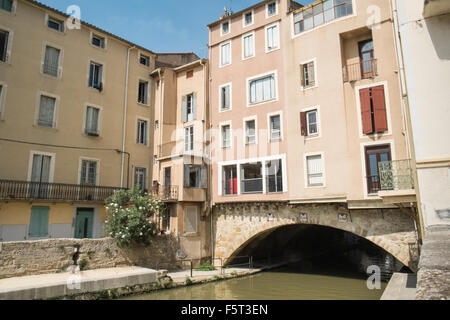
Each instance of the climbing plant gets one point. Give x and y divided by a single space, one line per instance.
131 217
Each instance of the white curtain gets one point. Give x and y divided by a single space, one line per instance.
272 37
51 62
92 119
225 54
46 111
248 46
315 170
226 97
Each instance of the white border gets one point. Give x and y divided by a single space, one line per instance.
220 97
105 40
48 17
100 117
96 61
80 161
261 76
252 11
267 9
305 169
149 60
229 27
244 122
251 33
193 139
319 123
52 164
9 45
141 79
148 131
269 130
276 24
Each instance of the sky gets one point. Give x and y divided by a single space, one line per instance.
158 25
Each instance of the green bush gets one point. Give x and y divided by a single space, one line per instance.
206 266
129 214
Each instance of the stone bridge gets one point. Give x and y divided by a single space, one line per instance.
237 224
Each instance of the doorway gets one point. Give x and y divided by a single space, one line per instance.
84 223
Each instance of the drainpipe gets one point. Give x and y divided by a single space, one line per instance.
161 117
125 107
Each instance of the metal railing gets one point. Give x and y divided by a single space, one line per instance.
25 190
165 193
373 184
361 70
396 175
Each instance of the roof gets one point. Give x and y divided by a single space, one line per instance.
43 6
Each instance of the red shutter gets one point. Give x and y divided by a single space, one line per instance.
366 111
303 124
379 109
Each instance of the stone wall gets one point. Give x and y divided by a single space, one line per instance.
52 256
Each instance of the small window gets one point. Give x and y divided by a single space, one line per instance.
225 54
272 9
143 92
51 61
39 222
189 74
4 36
46 117
248 18
92 121
98 41
189 139
55 24
88 176
142 132
190 219
308 75
140 178
315 171
226 136
95 76
6 5
225 97
189 107
252 178
249 44
144 60
272 38
250 132
275 128
195 176
225 27
262 90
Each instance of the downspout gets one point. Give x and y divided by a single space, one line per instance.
205 137
161 117
125 108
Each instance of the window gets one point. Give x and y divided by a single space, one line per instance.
272 35
190 219
46 117
274 176
249 46
143 92
251 178
250 132
6 5
272 9
55 24
367 56
225 97
310 123
88 176
189 107
51 61
225 28
373 110
92 121
98 41
321 13
144 60
95 76
308 75
275 128
248 18
140 178
315 171
39 222
2 90
375 155
142 132
189 139
262 90
4 36
225 54
195 176
230 182
226 136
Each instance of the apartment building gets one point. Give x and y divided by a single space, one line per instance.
75 122
306 106
180 171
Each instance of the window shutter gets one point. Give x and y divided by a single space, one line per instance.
312 75
304 124
184 109
366 111
91 75
194 105
379 109
186 176
39 222
302 75
204 177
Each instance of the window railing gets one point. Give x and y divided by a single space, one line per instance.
359 71
396 175
252 185
24 190
165 193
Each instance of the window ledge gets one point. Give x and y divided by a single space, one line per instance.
262 102
309 88
143 104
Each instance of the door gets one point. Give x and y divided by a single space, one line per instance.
40 176
375 155
84 224
367 55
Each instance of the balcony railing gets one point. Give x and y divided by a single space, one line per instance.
165 193
359 71
396 175
23 190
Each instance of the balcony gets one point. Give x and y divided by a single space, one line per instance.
361 70
396 182
23 190
165 193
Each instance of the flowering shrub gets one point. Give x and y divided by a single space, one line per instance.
129 217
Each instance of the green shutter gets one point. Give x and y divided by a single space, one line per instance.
39 222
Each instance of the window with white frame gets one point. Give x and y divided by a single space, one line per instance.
252 178
95 76
225 28
143 92
225 54
88 175
250 131
248 18
4 37
275 127
6 5
226 135
55 24
190 219
140 178
92 121
46 115
272 38
315 171
142 126
51 61
249 46
308 75
310 126
189 139
272 9
98 41
225 97
262 89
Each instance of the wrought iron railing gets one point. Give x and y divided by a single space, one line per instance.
165 193
25 190
361 70
396 175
